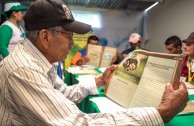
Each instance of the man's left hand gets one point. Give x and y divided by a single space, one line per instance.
101 80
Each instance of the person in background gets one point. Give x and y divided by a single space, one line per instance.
10 30
135 43
174 45
32 94
187 73
80 57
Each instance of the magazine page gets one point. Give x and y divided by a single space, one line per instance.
94 53
125 80
159 70
107 56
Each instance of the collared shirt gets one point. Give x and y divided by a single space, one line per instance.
31 94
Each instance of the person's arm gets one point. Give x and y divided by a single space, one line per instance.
87 86
5 36
39 103
77 92
101 80
76 59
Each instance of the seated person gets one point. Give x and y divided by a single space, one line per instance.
173 45
31 94
135 43
80 57
188 67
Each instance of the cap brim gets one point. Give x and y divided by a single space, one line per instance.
132 42
21 7
186 40
78 27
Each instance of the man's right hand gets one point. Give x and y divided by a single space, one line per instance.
173 101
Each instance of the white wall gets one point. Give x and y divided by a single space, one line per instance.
116 26
174 17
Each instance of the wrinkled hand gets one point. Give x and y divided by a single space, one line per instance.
173 101
108 72
101 80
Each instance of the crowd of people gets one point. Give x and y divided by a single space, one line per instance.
31 93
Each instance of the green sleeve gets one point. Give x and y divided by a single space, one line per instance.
5 36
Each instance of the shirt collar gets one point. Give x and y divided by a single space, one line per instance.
38 55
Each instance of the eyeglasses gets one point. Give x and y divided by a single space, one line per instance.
70 35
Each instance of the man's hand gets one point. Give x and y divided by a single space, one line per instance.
83 60
101 80
173 101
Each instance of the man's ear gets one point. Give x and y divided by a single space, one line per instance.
44 38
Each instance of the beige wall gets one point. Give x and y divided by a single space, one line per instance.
174 17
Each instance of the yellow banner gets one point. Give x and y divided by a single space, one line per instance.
80 41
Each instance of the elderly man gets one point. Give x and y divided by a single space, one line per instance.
188 67
31 93
173 45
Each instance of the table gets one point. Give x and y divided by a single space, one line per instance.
179 120
182 120
88 106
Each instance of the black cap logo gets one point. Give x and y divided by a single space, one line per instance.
67 12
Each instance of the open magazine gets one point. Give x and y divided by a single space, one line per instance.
100 56
141 77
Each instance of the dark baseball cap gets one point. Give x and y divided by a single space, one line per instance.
190 38
50 13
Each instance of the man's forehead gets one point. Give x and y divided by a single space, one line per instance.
170 45
189 43
93 41
170 48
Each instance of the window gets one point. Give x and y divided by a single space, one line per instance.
92 18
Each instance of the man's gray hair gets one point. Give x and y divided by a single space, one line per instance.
32 35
